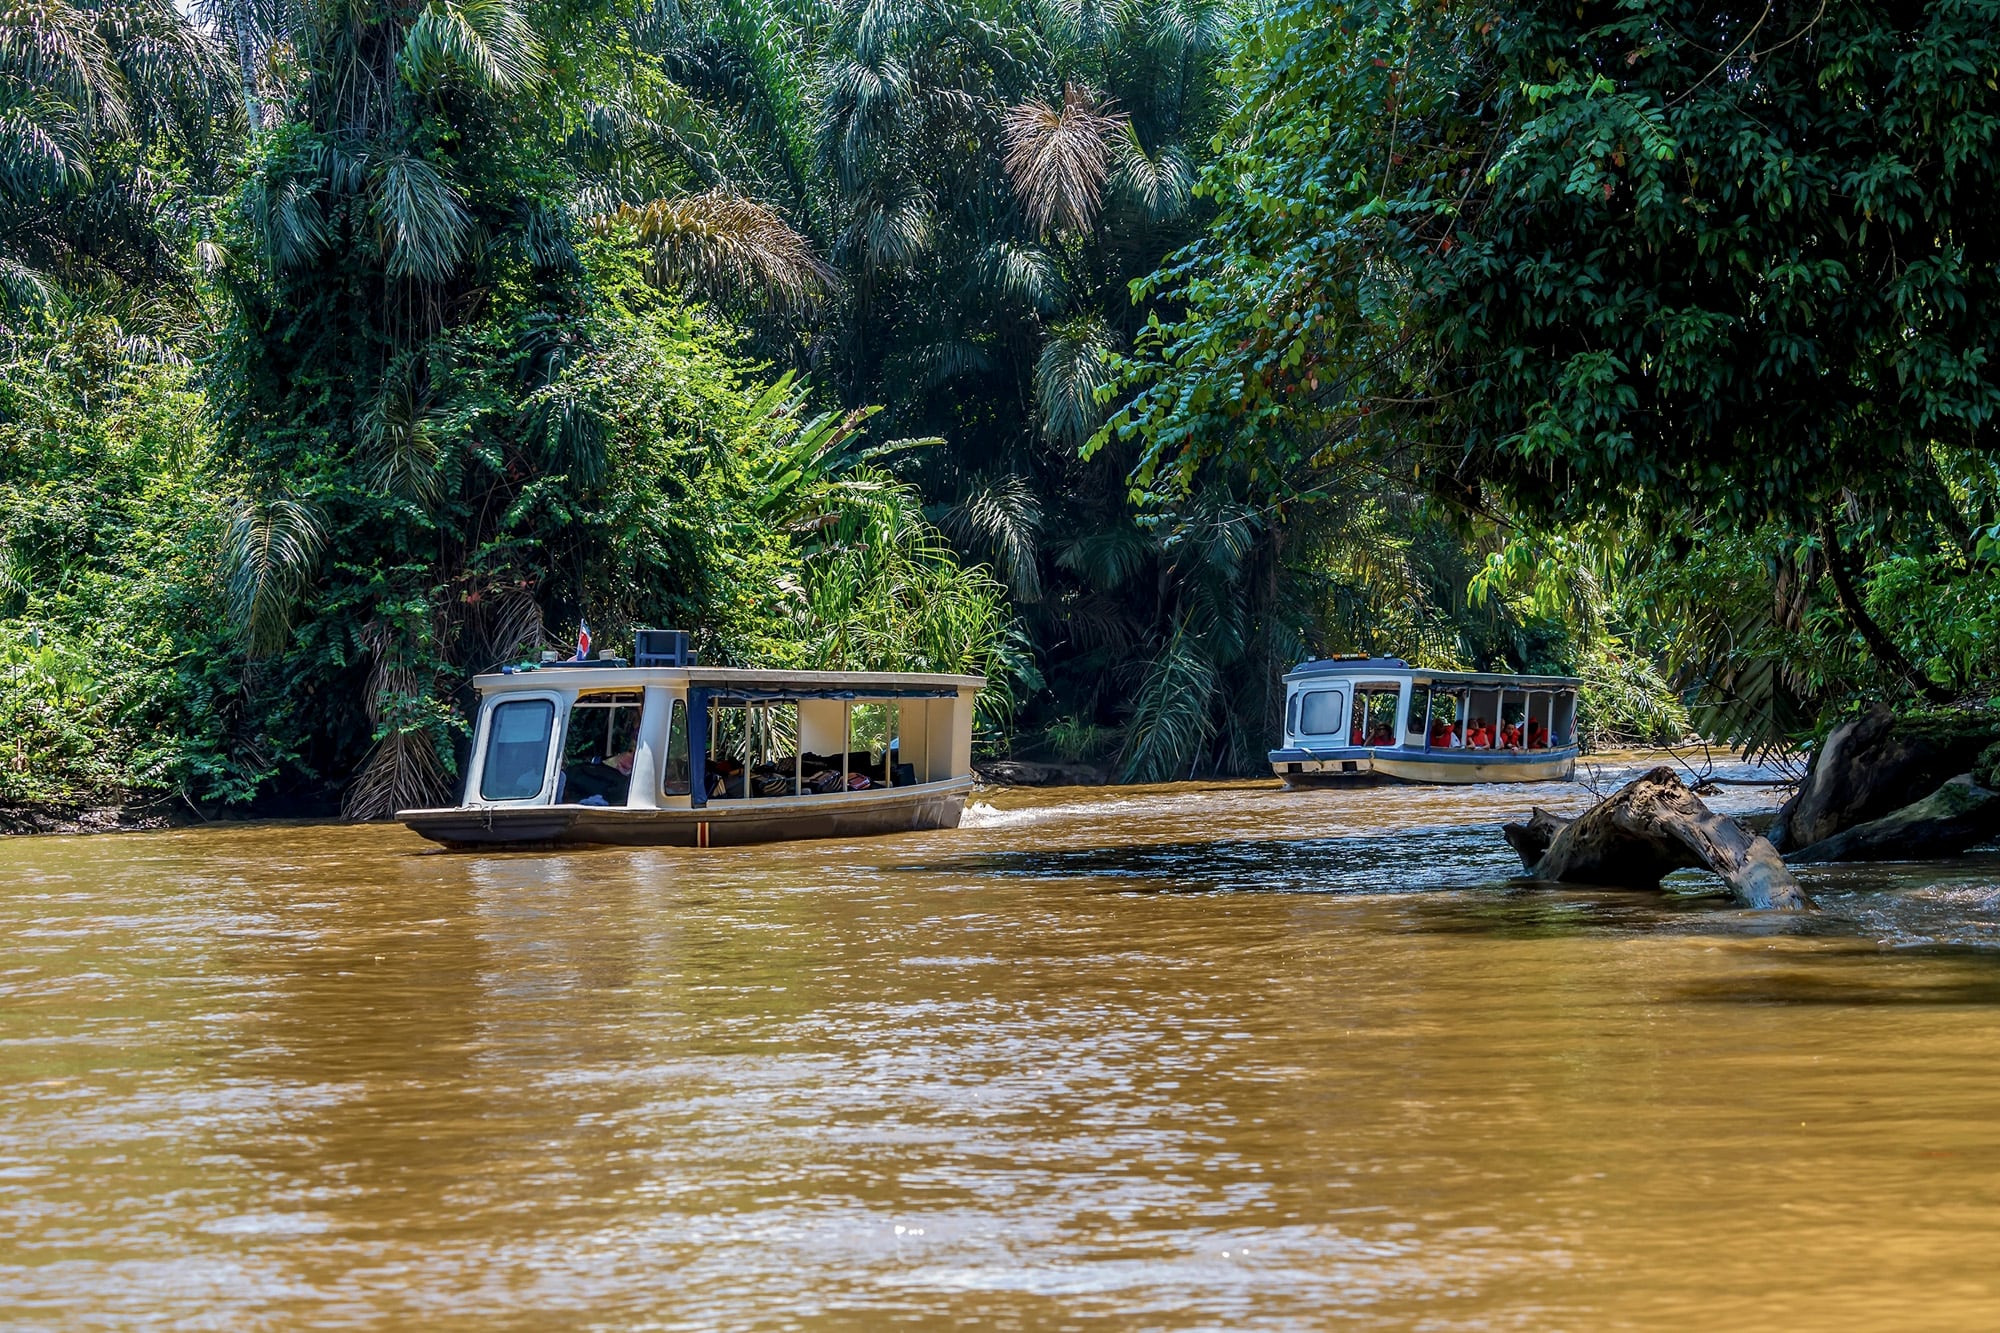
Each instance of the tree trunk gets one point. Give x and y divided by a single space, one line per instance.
1959 815
246 26
1879 643
1652 826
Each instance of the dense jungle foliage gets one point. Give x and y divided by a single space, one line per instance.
1127 354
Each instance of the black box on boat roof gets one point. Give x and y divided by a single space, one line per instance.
661 648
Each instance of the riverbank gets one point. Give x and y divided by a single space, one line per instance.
17 821
994 774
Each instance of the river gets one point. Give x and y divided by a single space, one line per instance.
1200 1056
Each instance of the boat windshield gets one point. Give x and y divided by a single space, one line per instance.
517 749
1319 712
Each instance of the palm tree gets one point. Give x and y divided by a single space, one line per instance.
410 303
82 85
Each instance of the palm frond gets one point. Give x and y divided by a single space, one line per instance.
269 554
892 232
1058 158
402 772
571 429
56 49
1106 558
285 215
43 151
944 356
1000 518
1190 29
422 223
399 446
727 247
1159 185
513 625
1068 375
1173 716
25 288
488 42
1026 274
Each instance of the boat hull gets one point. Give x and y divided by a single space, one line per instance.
1359 766
723 823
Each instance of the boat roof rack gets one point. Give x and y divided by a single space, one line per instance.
1314 665
1361 666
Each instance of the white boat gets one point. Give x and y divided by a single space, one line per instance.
1367 719
665 752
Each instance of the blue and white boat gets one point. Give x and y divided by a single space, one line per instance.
1363 719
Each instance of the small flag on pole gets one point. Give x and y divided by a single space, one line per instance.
582 641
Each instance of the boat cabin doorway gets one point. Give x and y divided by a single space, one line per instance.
598 748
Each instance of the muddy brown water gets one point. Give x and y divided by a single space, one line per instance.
1181 1057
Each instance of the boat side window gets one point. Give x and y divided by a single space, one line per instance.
1420 707
1292 716
728 732
877 751
674 768
517 749
775 766
1481 732
1447 720
597 751
1374 721
1319 713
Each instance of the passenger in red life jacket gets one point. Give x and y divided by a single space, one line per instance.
1538 735
1510 735
1481 735
1443 734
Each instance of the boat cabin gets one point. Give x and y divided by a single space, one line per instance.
1349 719
607 751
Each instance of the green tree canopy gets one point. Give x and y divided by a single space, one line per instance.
1651 256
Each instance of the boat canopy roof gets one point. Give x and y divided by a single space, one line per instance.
740 682
1338 668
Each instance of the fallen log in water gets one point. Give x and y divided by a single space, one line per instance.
1959 815
1650 827
1532 839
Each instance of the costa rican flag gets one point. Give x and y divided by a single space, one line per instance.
582 641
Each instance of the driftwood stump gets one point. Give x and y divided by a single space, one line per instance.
1650 827
1877 763
1959 815
1532 839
